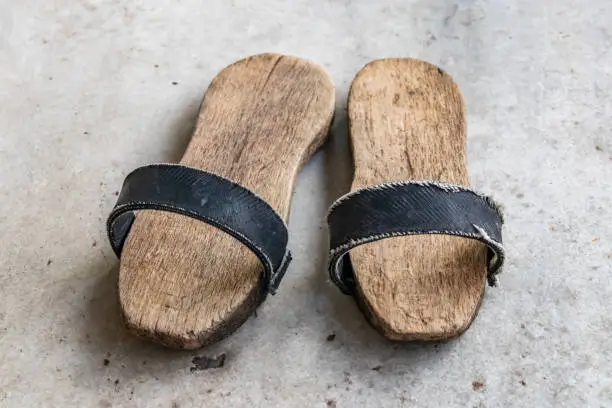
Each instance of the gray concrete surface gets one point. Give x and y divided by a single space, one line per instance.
87 93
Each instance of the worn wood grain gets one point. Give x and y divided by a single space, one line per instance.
407 121
183 283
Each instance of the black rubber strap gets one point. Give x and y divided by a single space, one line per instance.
411 208
211 199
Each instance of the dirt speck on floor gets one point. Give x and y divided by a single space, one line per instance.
331 337
205 363
478 385
330 403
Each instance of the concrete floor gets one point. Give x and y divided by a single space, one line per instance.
87 93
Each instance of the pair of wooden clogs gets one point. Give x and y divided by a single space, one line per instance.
203 242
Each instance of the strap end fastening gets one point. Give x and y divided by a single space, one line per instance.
277 275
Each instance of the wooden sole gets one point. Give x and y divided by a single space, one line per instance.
183 283
407 121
